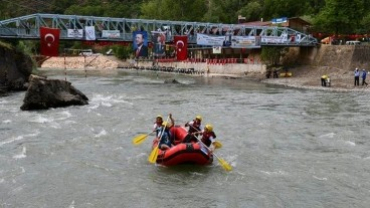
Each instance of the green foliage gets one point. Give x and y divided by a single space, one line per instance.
340 16
184 10
6 45
122 52
366 23
251 11
271 55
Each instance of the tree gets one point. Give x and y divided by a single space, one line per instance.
271 55
340 16
252 11
181 10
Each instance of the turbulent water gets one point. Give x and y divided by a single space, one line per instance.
288 147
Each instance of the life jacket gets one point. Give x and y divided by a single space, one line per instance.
194 128
166 134
206 135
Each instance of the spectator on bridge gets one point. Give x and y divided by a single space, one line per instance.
357 77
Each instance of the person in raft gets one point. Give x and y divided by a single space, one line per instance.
208 137
158 122
194 127
163 134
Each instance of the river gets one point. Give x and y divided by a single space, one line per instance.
288 147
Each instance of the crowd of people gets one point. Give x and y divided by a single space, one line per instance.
166 140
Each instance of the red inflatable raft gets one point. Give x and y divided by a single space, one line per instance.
193 153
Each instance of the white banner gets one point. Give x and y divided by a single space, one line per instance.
75 33
209 40
216 49
298 38
227 41
273 39
243 41
111 34
90 32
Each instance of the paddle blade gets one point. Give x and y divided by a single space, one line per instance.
217 144
139 139
153 155
225 165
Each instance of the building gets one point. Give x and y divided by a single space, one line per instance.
294 23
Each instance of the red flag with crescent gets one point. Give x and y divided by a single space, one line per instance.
49 38
181 43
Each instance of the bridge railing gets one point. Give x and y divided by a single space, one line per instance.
27 27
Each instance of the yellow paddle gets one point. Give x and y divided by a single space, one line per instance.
154 154
223 163
217 144
140 138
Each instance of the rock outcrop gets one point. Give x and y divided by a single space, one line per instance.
43 93
15 68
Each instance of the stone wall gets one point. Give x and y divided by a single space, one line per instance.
225 69
345 57
97 62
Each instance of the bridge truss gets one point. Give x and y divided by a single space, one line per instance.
28 27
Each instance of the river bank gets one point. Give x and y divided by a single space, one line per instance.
305 76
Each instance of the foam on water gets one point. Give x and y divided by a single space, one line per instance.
64 115
11 140
7 121
328 135
21 155
41 119
17 138
108 101
101 133
320 179
350 143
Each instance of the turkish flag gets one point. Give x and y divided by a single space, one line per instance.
49 38
181 43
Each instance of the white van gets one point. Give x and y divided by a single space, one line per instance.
353 42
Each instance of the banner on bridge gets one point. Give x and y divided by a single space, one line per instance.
49 41
159 42
140 43
181 43
90 33
111 34
232 41
75 33
209 40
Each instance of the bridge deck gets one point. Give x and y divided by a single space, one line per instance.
27 27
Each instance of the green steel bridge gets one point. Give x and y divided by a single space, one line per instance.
28 27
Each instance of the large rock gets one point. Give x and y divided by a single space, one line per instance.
45 93
15 68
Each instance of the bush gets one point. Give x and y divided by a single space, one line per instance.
122 52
